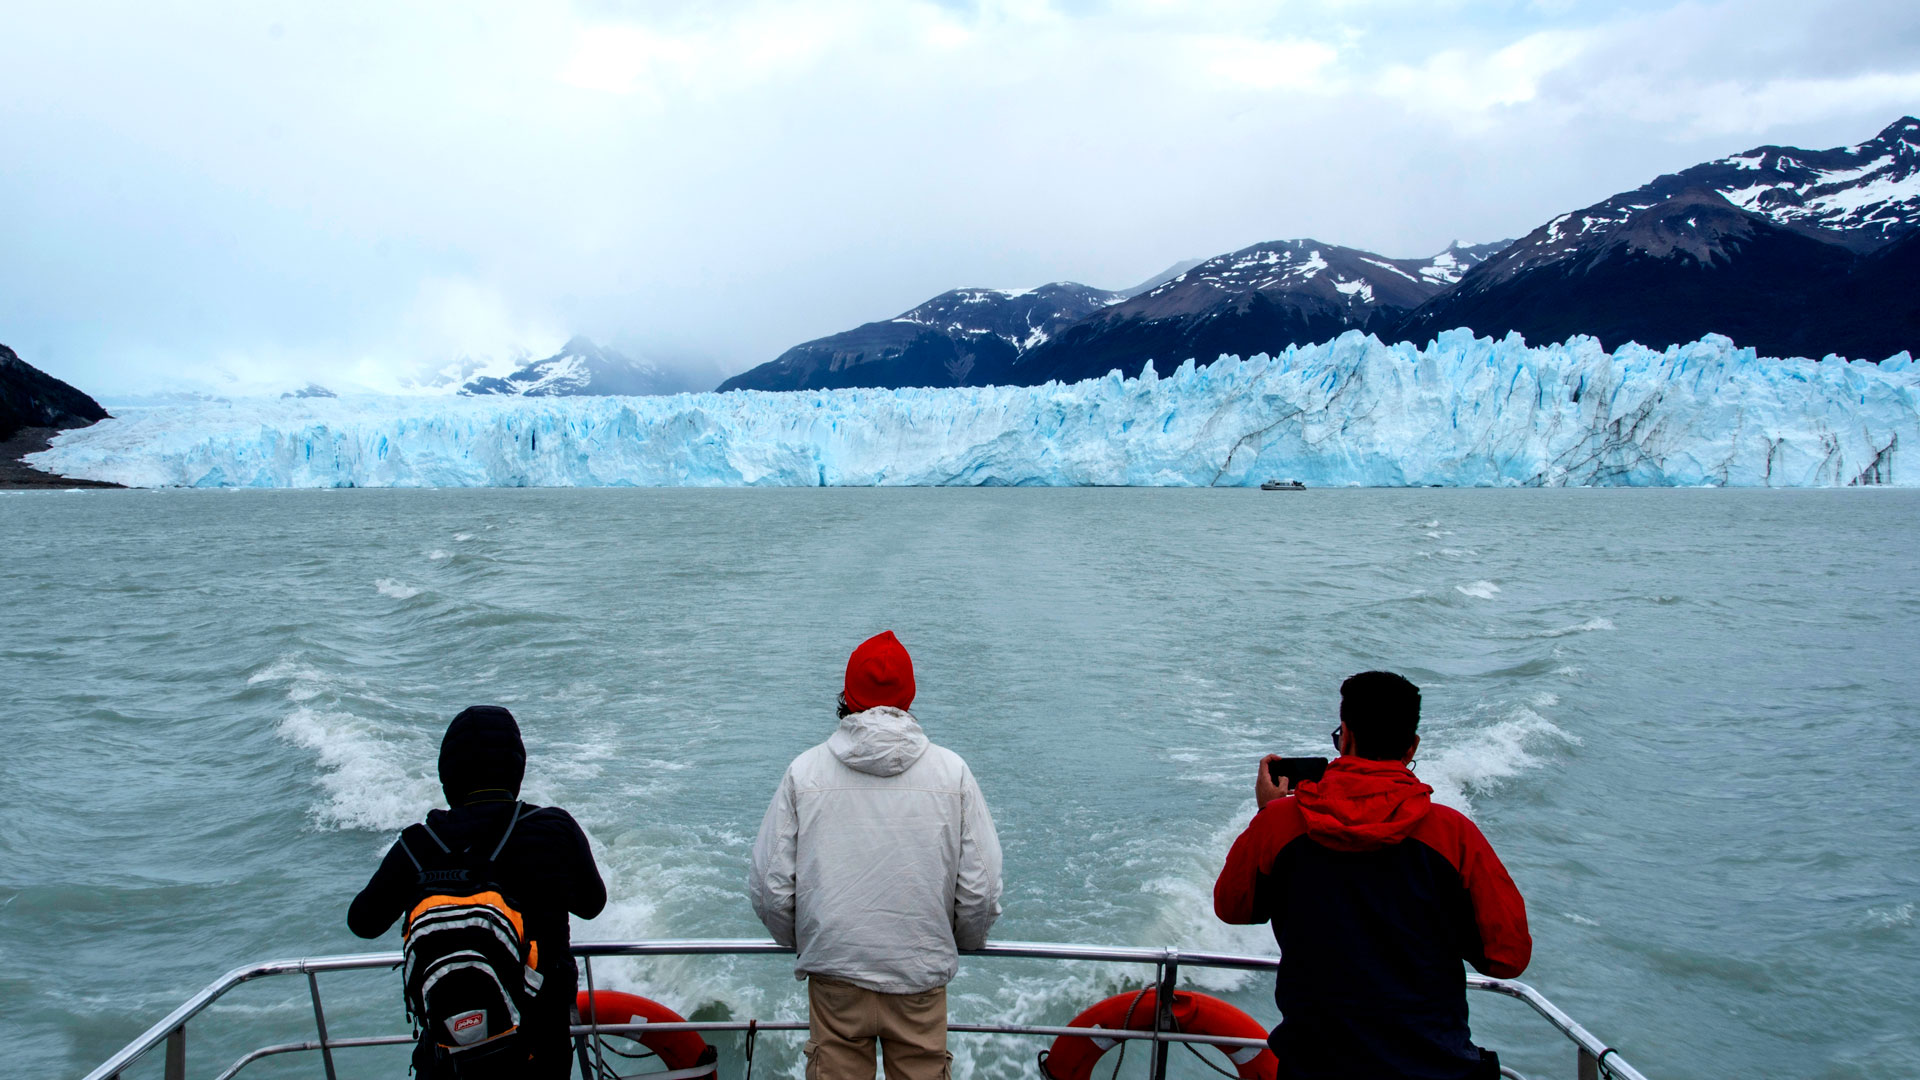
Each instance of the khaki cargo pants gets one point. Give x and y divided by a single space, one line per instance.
843 1020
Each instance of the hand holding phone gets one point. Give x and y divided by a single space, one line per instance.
1267 781
1297 770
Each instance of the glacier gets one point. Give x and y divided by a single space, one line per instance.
1463 411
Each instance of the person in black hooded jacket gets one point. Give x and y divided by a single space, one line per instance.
546 866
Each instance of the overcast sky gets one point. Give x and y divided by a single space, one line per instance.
350 191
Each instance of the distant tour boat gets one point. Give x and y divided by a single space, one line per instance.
1283 485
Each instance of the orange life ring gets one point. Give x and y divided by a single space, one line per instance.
1072 1056
677 1049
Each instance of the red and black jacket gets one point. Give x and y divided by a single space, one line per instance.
1376 897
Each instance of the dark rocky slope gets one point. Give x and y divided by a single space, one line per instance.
964 337
31 398
34 407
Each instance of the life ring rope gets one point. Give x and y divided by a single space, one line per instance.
684 1053
1072 1057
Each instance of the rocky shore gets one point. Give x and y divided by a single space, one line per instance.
16 474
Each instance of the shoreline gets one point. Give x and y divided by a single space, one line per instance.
17 475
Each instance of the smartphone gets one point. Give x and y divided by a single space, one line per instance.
1297 769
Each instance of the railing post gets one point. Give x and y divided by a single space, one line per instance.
1163 1012
177 1053
319 1022
1589 1065
593 1002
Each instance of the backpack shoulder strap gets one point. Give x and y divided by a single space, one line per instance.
444 849
411 857
519 811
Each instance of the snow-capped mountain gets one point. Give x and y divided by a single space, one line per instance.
1791 251
1779 248
964 337
1259 299
580 368
1872 187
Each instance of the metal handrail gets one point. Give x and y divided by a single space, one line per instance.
1596 1058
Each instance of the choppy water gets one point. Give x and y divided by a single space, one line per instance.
1686 719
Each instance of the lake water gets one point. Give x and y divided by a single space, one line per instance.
1686 719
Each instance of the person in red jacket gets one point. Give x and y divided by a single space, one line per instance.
1376 896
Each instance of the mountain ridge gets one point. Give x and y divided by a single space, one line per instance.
1782 249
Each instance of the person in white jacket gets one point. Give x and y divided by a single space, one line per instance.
877 861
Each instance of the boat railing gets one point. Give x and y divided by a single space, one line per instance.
1594 1059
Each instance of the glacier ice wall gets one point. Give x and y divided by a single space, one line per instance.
1462 412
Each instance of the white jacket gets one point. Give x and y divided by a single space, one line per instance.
878 858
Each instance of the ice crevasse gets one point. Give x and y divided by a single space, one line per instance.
1463 411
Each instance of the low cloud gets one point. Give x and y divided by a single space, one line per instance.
360 192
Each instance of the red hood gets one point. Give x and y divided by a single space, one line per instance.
1361 804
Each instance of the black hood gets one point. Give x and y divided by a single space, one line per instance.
482 751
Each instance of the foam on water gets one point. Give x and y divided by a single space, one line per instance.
395 589
1184 913
1480 759
361 771
1479 590
369 773
1888 918
1587 627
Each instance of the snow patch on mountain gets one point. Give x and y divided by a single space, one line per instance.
1871 187
580 367
995 312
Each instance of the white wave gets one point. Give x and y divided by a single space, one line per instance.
1482 590
1587 627
461 538
1580 920
1185 918
1889 917
437 554
304 683
366 784
389 587
651 881
1483 757
364 766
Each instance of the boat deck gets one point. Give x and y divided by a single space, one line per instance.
1593 1058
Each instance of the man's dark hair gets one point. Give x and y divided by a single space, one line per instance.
1380 710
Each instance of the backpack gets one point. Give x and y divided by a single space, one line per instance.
468 967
